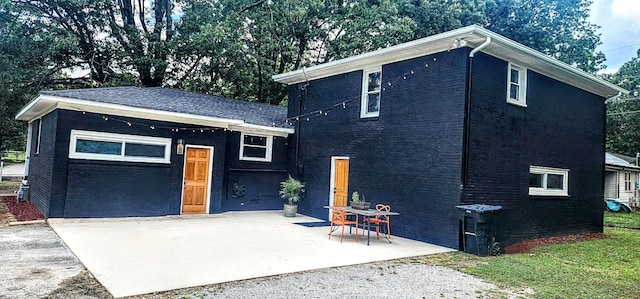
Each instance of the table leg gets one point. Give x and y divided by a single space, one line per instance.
368 231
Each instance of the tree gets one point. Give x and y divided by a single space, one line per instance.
558 28
623 115
233 47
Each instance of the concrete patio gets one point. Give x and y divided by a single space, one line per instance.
133 256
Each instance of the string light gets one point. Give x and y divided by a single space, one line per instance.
324 111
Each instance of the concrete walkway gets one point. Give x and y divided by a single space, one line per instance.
13 170
142 255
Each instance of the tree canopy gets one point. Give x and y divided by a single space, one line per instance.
623 115
233 47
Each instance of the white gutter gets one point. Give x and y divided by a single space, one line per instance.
480 47
613 98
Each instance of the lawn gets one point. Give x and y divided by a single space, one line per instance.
14 156
627 220
599 268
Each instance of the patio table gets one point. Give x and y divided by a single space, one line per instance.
366 213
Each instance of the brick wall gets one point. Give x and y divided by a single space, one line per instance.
409 157
561 127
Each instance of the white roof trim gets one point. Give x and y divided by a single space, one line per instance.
500 47
44 104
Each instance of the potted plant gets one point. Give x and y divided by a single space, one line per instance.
357 203
290 190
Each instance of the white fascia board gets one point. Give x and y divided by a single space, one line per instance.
500 47
416 48
272 131
561 70
44 104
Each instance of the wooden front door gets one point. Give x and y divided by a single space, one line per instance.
196 180
341 182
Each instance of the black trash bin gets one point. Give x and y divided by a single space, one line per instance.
478 229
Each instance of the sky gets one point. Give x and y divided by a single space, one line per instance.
620 30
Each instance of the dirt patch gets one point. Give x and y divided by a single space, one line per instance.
83 285
22 211
5 215
526 246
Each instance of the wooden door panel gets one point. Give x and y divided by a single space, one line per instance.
196 180
341 182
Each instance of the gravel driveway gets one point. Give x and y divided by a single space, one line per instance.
33 261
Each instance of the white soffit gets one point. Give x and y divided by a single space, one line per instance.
500 47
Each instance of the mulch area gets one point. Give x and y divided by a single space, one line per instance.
526 246
12 210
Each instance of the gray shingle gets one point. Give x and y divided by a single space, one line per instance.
174 100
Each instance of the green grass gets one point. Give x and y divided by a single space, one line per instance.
14 156
627 220
600 268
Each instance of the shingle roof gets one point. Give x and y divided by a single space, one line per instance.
613 160
180 101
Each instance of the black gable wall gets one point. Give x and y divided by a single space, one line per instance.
409 157
561 127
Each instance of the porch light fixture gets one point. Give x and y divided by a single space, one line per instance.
180 147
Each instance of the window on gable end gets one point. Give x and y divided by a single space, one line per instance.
517 85
371 87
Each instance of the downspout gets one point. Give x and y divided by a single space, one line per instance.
27 158
297 133
467 113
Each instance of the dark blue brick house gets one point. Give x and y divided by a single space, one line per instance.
462 117
128 151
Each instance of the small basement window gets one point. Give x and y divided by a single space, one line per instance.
548 181
91 145
256 147
371 86
517 85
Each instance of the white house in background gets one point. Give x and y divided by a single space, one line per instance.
621 178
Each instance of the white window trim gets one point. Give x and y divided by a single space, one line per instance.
269 148
39 136
123 138
365 92
550 192
522 83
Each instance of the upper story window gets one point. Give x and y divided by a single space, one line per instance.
255 147
371 86
548 181
517 85
119 147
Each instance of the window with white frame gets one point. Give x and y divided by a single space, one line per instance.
371 86
517 85
92 145
627 181
547 181
256 147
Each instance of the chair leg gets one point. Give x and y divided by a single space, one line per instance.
388 230
330 230
342 235
378 231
